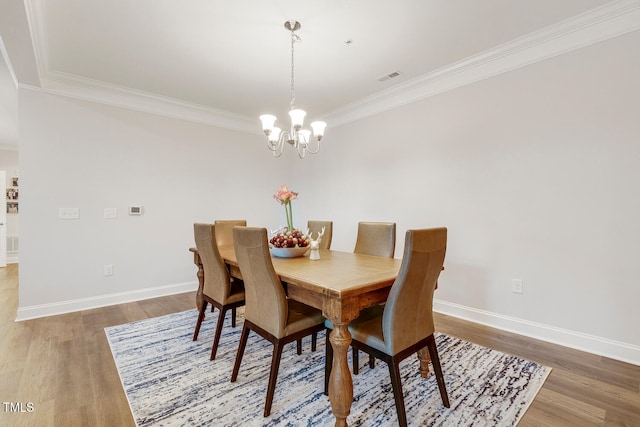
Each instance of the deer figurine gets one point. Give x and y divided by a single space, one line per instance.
315 245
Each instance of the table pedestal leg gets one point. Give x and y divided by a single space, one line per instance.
198 262
340 382
424 358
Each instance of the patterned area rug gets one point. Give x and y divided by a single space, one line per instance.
170 381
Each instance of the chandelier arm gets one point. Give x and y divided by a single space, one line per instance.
273 145
276 149
317 149
302 151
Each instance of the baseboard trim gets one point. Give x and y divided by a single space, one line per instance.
62 307
618 350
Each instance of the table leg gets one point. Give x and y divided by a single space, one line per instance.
340 381
424 358
198 262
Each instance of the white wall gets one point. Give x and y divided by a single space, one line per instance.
536 175
80 154
534 172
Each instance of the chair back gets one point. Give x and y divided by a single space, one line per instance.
217 284
408 313
376 238
315 227
265 301
224 230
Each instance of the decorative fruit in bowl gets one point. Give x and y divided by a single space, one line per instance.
290 239
289 244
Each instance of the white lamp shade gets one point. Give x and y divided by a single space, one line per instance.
297 118
274 136
318 129
304 136
267 122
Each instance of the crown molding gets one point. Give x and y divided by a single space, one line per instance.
73 86
35 17
610 20
5 56
599 24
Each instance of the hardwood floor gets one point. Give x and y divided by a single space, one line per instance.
63 366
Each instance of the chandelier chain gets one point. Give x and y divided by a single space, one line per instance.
294 38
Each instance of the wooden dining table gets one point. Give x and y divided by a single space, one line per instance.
340 284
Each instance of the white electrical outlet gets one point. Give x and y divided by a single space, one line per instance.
108 270
516 286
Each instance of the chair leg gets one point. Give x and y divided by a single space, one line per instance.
233 317
203 308
328 362
356 360
241 346
435 360
273 376
396 382
216 338
314 337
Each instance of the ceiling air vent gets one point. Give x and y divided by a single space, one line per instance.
389 76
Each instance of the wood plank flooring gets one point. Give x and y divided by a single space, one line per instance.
63 366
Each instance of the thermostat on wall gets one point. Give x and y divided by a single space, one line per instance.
135 210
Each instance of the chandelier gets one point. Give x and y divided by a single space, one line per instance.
297 136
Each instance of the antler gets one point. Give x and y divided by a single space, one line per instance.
277 230
320 234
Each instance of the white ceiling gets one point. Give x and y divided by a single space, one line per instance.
233 57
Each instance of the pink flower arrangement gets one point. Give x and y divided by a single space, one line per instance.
291 237
285 196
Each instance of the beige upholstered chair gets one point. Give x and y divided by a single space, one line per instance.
224 230
379 239
376 238
224 237
404 324
219 290
268 312
315 227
